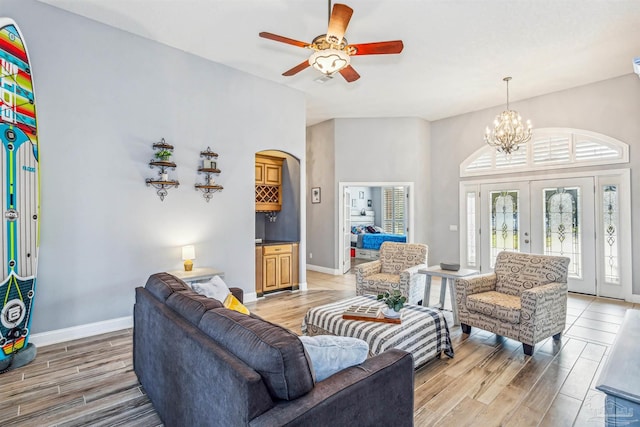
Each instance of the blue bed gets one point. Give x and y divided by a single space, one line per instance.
374 240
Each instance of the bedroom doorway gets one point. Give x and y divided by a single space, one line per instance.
386 206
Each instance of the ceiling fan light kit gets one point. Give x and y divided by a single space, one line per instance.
329 61
332 54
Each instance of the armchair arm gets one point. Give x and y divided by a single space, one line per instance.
476 284
412 283
360 394
367 269
543 312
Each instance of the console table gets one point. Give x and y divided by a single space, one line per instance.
620 378
448 278
198 274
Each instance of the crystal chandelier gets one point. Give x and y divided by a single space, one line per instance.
508 131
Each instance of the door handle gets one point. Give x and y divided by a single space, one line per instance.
526 240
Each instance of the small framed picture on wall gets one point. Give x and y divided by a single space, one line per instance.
361 194
315 195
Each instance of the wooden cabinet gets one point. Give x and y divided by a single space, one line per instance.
268 183
278 268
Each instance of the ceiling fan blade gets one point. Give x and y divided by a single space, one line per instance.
282 39
349 74
295 70
340 17
378 48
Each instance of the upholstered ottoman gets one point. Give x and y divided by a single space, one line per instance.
423 331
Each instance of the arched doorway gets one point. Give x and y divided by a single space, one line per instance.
277 221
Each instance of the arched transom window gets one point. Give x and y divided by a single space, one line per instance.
549 148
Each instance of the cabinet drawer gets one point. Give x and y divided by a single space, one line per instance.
276 249
362 253
367 254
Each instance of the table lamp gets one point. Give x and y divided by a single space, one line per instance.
188 253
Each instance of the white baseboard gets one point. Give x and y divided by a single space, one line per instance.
82 331
635 299
325 270
250 297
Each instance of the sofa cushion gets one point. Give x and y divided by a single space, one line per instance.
501 306
330 354
383 278
161 285
191 305
274 352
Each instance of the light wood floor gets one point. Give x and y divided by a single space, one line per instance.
489 382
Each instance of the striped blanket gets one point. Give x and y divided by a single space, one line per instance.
423 332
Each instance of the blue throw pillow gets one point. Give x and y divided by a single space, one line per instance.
330 354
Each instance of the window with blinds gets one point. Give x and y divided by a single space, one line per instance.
551 148
394 203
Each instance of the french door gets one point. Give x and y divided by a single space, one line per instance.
551 217
346 231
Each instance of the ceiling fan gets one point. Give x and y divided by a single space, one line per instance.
331 52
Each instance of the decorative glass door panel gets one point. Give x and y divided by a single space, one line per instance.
504 212
614 246
610 214
504 222
563 224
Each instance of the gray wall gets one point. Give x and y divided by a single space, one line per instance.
321 218
104 97
365 150
610 107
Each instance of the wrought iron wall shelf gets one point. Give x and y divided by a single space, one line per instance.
209 168
162 162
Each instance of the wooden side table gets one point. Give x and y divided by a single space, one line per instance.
198 274
448 278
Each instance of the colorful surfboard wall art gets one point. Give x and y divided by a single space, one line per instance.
20 186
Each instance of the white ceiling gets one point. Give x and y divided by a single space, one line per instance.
455 56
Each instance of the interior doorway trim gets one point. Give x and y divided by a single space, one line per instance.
340 232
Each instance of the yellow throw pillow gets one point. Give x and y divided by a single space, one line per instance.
232 303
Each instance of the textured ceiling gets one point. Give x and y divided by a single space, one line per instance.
455 56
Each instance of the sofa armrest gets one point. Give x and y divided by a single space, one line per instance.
359 395
543 312
367 269
238 293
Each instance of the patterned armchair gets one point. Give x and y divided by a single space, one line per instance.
397 268
525 298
